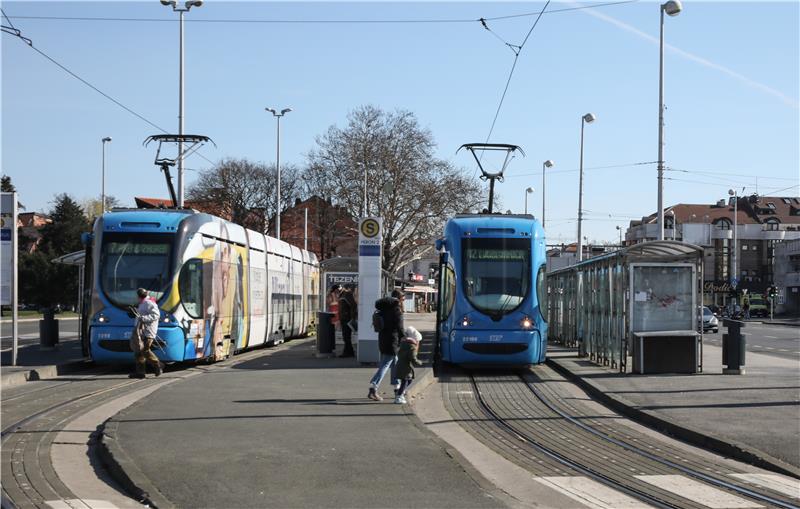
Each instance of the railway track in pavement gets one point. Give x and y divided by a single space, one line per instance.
534 422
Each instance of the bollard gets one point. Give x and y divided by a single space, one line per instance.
326 334
733 348
48 329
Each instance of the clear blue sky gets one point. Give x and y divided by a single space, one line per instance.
732 86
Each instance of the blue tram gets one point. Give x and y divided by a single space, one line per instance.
220 287
492 292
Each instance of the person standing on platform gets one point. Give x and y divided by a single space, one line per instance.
144 333
390 313
348 315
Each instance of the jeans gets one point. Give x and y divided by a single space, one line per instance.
386 362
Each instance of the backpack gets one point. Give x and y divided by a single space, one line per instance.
377 321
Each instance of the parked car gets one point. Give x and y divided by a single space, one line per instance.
710 322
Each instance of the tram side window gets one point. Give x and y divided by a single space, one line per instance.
541 292
190 285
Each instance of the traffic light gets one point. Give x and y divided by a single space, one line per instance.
772 292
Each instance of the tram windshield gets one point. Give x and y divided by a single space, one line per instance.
496 273
133 260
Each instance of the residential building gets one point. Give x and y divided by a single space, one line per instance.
762 223
332 231
787 277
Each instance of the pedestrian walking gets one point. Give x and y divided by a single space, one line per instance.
390 316
746 308
406 360
145 330
348 316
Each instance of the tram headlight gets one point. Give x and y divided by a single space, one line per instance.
101 318
465 322
526 323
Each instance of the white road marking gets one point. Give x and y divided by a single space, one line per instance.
697 491
774 482
76 503
591 493
771 337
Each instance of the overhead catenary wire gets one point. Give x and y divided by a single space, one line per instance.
321 21
141 117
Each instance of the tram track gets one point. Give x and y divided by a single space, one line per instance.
544 430
694 473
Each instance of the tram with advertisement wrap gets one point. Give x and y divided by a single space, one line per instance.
220 287
492 293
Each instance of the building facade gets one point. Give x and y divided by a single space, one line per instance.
762 223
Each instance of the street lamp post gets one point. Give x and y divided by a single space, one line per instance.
186 6
732 192
278 116
672 8
547 164
527 192
619 230
105 140
586 119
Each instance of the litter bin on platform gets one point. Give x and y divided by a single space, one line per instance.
326 332
734 347
48 328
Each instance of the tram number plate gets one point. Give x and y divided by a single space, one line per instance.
495 338
470 339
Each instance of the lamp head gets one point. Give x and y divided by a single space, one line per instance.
589 118
271 110
107 138
285 111
549 163
194 3
672 8
731 192
529 190
168 2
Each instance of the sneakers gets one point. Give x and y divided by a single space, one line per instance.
373 395
137 375
400 400
159 368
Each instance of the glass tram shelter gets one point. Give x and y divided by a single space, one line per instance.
642 302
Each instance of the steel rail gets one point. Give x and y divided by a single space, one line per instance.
550 453
663 461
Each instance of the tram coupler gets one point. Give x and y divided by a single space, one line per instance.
734 347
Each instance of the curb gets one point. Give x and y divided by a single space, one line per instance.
24 320
42 372
125 471
727 448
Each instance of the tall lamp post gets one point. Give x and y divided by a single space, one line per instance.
586 119
278 116
547 164
105 140
619 230
732 192
672 8
527 192
186 6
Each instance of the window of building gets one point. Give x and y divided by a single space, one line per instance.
744 247
773 224
787 200
771 205
744 272
723 224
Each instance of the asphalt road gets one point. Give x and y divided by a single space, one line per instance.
777 340
29 332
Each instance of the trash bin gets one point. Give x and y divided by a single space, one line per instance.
48 328
734 347
326 332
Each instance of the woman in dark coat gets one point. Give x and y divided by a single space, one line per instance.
391 312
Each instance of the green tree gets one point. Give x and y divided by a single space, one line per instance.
5 184
42 281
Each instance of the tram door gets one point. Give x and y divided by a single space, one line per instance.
86 300
440 316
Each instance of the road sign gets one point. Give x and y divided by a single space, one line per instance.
734 283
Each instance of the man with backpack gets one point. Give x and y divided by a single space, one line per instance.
388 323
348 314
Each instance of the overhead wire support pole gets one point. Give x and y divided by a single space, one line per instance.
492 176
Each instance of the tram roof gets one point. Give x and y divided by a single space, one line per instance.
654 251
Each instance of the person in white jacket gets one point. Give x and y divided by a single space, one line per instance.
145 330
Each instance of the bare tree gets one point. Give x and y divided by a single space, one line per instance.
413 191
245 192
93 207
